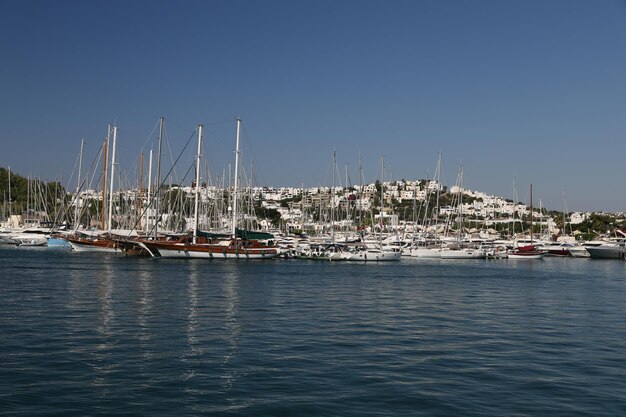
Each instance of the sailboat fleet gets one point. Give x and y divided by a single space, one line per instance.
226 232
203 244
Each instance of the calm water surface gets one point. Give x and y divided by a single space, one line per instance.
94 334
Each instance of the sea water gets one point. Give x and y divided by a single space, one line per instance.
92 334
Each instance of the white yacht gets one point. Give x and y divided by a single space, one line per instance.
612 249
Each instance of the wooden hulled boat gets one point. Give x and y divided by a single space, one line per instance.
81 242
245 245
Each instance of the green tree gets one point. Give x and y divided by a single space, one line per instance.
270 214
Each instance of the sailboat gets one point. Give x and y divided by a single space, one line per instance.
102 240
239 244
427 244
34 226
459 249
528 251
327 250
361 251
58 238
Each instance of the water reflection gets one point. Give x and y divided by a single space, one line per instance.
103 365
194 346
492 338
233 330
104 292
75 297
146 301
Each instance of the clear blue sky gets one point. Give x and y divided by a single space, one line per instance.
531 90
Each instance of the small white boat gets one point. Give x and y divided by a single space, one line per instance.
426 252
557 248
31 240
579 251
463 253
361 252
31 237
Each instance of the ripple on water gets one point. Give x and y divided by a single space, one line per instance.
111 335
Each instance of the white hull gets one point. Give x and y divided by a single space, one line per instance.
463 254
186 254
533 256
6 240
90 248
579 252
429 253
31 241
371 255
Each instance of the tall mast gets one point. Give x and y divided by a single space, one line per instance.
10 212
302 207
515 208
437 184
77 202
234 226
414 206
28 198
104 179
360 192
565 213
195 213
346 190
459 234
332 201
149 196
382 194
229 207
158 182
531 214
140 196
110 224
540 221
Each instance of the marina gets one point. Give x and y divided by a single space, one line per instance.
379 222
313 208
